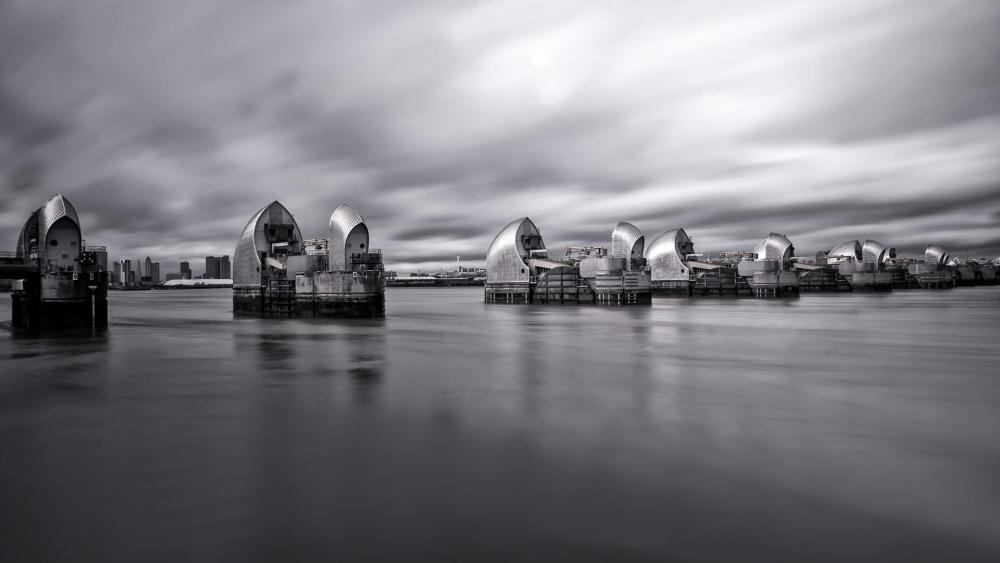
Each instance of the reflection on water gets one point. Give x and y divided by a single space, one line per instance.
827 428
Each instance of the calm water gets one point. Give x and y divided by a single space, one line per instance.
828 428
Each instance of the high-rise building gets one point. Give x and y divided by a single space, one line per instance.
212 268
127 275
150 271
225 268
185 270
117 279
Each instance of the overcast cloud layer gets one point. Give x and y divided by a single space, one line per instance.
169 123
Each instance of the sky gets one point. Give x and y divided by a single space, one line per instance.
168 124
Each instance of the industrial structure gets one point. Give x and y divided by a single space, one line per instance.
519 269
276 273
849 266
59 282
933 272
676 270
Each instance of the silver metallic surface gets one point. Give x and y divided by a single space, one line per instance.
847 251
55 209
936 255
506 259
346 223
775 247
628 242
665 256
253 241
873 251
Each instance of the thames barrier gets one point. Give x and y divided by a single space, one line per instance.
278 274
519 269
58 281
61 282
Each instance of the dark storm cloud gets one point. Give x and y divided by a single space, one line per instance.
441 231
24 128
169 125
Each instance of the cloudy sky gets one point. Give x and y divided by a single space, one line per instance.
169 123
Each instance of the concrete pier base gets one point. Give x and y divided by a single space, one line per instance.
871 281
342 306
337 294
623 297
774 284
508 292
248 301
671 288
61 302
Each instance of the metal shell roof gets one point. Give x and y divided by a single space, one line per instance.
936 255
775 247
505 259
246 256
665 257
873 251
344 220
627 241
55 209
849 250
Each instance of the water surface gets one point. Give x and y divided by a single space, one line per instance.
827 428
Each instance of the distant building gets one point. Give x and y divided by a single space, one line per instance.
126 273
116 280
185 271
171 276
150 273
225 268
213 268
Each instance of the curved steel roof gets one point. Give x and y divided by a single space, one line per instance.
627 241
344 220
41 220
936 255
56 208
873 251
849 250
345 217
246 256
665 255
775 247
505 259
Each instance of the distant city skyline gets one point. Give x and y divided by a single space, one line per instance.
163 270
